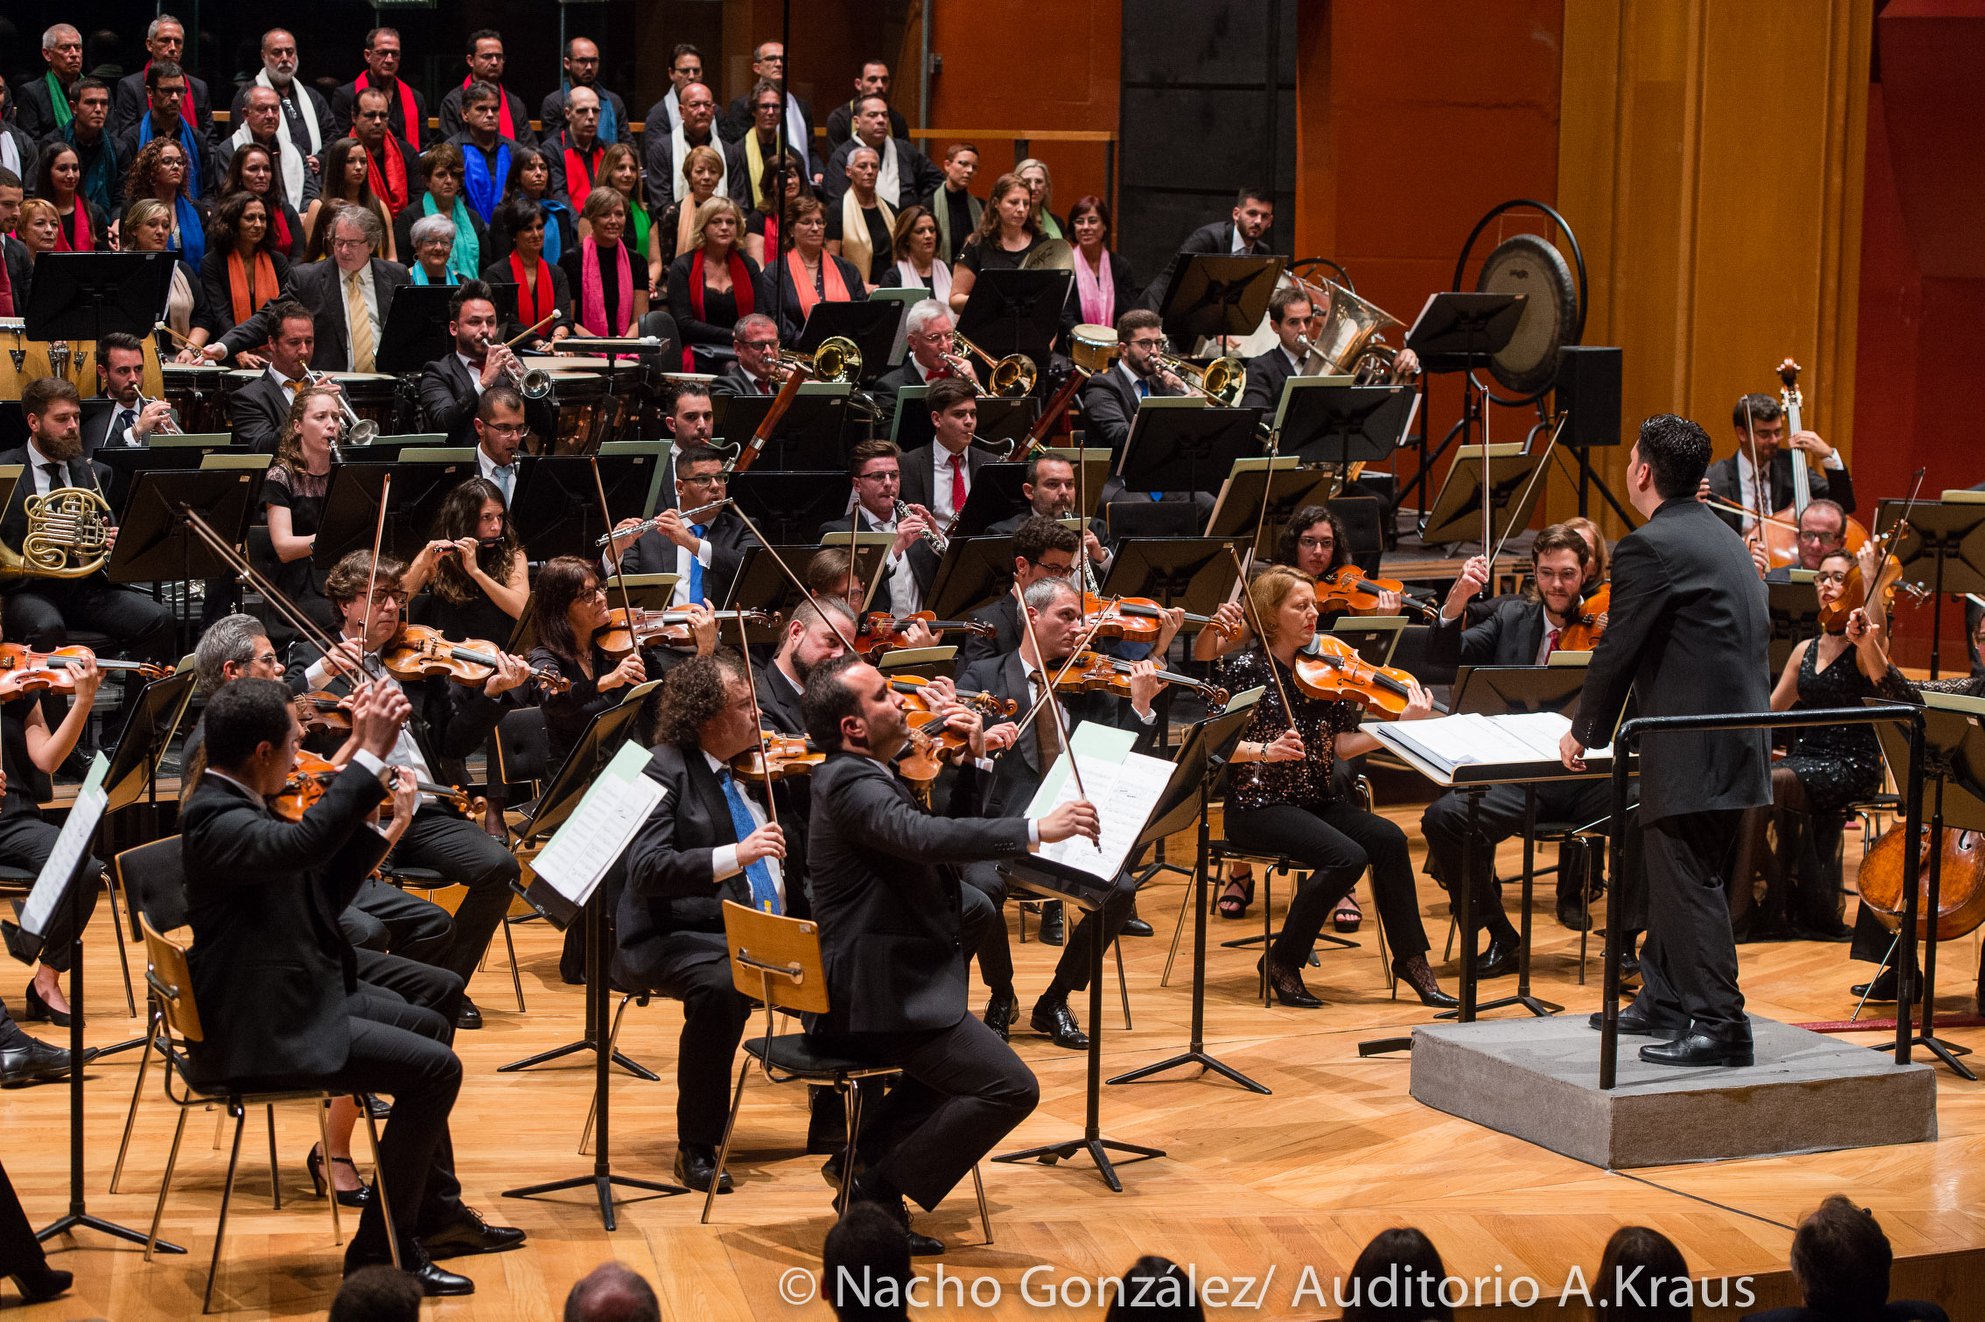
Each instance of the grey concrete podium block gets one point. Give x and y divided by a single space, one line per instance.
1538 1079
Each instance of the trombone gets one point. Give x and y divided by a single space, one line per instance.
1221 381
838 361
358 431
1012 376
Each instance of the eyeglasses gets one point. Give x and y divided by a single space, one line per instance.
1807 535
1316 543
886 475
510 429
1830 576
597 590
707 480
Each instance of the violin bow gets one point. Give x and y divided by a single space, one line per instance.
757 721
1048 693
1261 635
806 593
619 574
1760 499
378 539
1066 665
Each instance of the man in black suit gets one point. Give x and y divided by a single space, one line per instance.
685 67
889 903
41 611
451 388
259 117
37 112
927 328
395 162
702 550
1054 606
812 637
280 998
165 43
1289 313
1110 399
1761 419
165 83
665 146
1518 631
755 339
259 409
350 277
873 80
581 63
120 371
1688 634
1050 492
766 114
306 116
876 471
1241 235
486 60
1042 548
96 150
939 476
406 108
1822 532
907 175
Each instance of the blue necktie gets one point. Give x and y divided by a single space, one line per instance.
764 895
1144 390
696 567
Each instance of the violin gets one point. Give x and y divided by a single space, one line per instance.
1858 594
1331 669
1135 619
419 652
779 757
666 628
1346 591
322 712
986 704
879 631
311 775
1093 670
931 746
1586 627
1960 894
24 671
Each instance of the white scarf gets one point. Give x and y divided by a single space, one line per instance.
679 152
940 277
292 159
888 180
796 134
10 154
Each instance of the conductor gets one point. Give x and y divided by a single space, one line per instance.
1688 635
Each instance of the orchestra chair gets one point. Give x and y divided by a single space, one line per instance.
775 961
1585 837
175 1023
20 879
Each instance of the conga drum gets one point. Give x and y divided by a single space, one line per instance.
198 395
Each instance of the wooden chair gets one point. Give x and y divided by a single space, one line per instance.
175 1023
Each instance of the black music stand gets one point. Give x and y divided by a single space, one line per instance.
1457 332
1193 572
1186 449
1947 537
416 330
1208 746
1218 295
994 498
351 509
1456 516
149 722
125 462
1795 616
789 506
1342 425
1237 510
557 500
761 583
810 435
1001 418
974 571
154 542
1013 312
871 325
88 295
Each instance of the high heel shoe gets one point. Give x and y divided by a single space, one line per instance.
41 1011
1416 974
43 1282
358 1197
1287 984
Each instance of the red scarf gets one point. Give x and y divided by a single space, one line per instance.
504 123
409 117
540 305
579 173
6 282
76 236
284 244
740 290
185 97
830 276
391 185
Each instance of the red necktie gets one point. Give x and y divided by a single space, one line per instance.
1551 643
765 387
957 482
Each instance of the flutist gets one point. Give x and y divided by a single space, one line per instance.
451 386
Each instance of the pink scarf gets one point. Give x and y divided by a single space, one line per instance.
592 295
830 275
1096 290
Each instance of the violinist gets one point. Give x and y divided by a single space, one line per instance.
1758 421
810 640
703 550
1281 799
875 469
1518 631
1055 608
293 494
1314 541
1828 768
1042 549
440 837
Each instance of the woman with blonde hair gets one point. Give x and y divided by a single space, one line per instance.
1041 191
712 285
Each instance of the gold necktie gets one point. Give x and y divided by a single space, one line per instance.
360 322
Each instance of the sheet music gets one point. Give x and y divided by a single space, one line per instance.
1471 739
599 830
53 883
1124 787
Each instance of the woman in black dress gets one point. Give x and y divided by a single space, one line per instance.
711 286
244 267
571 612
1282 800
609 289
862 226
1007 232
293 504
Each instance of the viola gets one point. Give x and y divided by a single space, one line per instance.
1346 591
322 712
309 777
986 704
665 628
1331 669
931 746
24 671
779 757
1858 594
420 652
1135 619
1586 627
879 631
1094 671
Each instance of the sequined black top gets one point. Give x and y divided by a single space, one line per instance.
1305 784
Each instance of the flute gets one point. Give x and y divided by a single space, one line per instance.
647 525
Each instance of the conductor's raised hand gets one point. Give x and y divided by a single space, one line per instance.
1076 817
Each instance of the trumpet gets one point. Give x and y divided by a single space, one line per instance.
838 360
358 431
170 427
1221 381
934 539
532 385
1012 376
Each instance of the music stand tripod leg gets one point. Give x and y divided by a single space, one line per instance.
1542 1009
1926 1036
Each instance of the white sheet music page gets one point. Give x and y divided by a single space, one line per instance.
1124 787
1515 739
601 827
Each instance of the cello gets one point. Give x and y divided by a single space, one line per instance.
1960 882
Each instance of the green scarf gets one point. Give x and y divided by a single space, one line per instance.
58 98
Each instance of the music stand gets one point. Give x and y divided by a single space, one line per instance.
1173 448
761 583
126 462
1013 312
351 510
1455 332
1795 615
871 325
87 295
1001 418
787 506
556 498
994 498
1321 423
1193 572
1237 509
416 330
1218 295
154 542
809 435
1375 637
149 722
1457 510
974 571
1950 537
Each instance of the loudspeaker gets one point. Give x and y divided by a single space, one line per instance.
1589 390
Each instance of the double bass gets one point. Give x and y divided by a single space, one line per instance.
1777 531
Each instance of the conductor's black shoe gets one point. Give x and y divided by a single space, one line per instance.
471 1234
1645 1023
1287 984
467 1016
1573 915
1002 1012
40 1011
1629 968
921 1246
696 1166
1053 1017
43 1282
1054 926
1135 926
434 1280
1700 1049
1881 989
1501 958
30 1060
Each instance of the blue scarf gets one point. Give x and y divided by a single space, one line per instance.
483 188
192 233
100 182
465 257
554 243
189 142
418 273
609 133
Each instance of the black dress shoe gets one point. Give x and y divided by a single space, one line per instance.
434 1280
1135 926
1645 1023
32 1059
1054 927
1881 989
468 1017
319 1180
1054 1018
1501 958
379 1106
921 1246
40 1011
1572 915
1287 984
1416 974
471 1234
43 1282
1002 1012
696 1166
1700 1049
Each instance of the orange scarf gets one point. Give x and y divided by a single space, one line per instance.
830 275
247 299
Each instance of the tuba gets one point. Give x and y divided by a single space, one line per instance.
68 536
1352 341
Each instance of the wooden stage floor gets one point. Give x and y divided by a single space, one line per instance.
1292 1182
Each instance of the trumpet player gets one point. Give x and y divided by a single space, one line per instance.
756 372
876 471
131 418
260 408
1110 399
452 386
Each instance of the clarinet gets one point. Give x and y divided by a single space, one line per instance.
932 537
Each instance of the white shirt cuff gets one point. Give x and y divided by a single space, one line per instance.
723 863
703 553
1146 717
1033 830
317 674
369 761
1832 462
